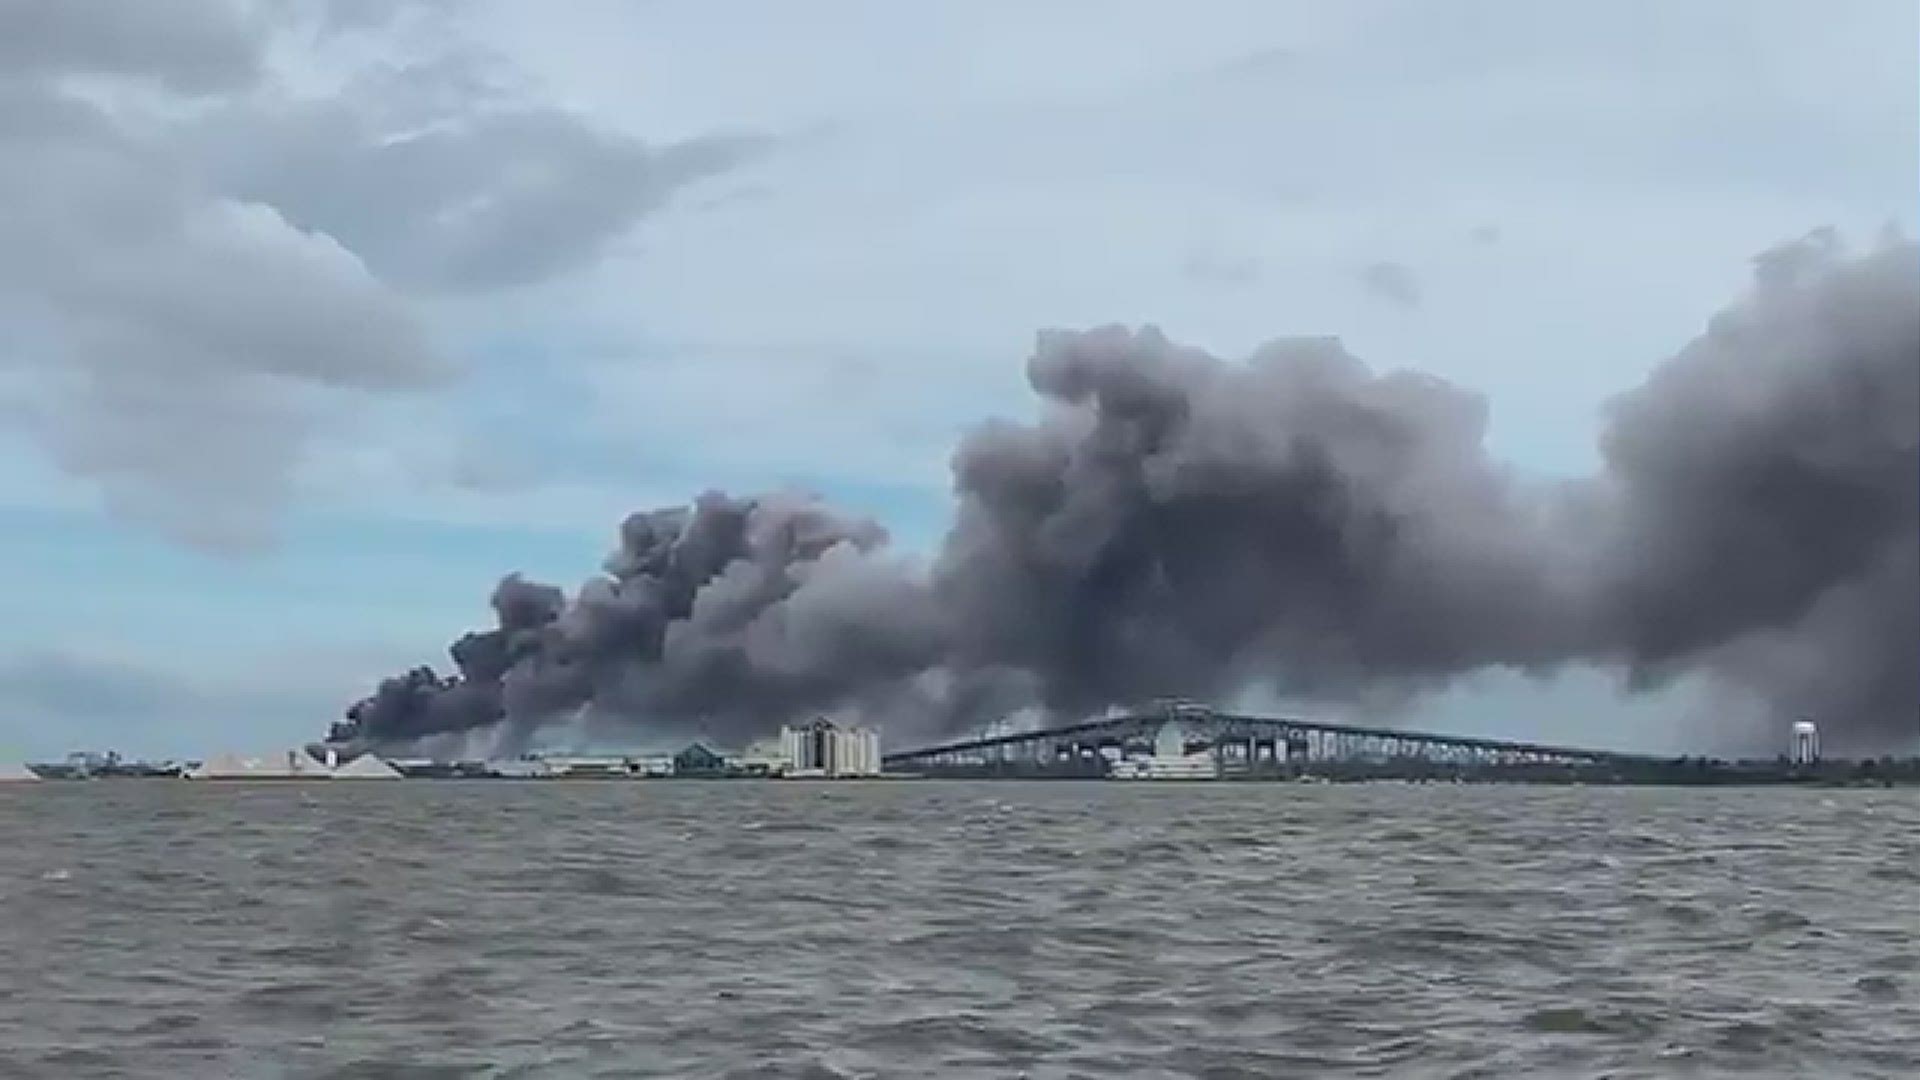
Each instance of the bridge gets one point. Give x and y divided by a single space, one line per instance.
1236 743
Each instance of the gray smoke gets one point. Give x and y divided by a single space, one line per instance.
1187 525
1176 524
1763 490
724 618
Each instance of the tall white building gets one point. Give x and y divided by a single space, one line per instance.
1806 743
861 747
822 748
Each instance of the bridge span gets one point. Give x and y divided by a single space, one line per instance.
1236 742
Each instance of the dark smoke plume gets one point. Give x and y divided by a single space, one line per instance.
1179 524
1763 490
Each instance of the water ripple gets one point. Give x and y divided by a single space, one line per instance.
957 930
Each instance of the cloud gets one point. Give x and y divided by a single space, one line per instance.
203 274
174 344
57 700
480 194
190 46
344 16
1111 172
1393 282
57 685
1225 270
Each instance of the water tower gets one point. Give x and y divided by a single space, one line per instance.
1806 742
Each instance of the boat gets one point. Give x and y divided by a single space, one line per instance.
1197 766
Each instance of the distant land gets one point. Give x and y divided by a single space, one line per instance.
1165 740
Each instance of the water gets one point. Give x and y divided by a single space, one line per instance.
966 930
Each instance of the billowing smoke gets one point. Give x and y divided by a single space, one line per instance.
1176 524
727 617
1762 494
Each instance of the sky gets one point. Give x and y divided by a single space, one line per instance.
324 315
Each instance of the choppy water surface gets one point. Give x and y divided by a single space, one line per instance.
934 929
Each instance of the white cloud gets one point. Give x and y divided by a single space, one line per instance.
205 273
945 184
929 225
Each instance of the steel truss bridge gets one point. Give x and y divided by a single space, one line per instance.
1238 741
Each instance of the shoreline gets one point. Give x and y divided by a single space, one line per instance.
1826 783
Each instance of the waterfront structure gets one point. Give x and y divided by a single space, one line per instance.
366 767
293 764
860 753
1170 760
550 767
767 757
654 766
823 748
1241 744
1806 743
88 765
697 760
521 768
431 769
584 767
803 744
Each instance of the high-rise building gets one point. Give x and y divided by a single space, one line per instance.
823 748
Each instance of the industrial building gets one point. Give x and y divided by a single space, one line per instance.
592 767
1170 759
823 748
697 760
1806 743
587 767
767 757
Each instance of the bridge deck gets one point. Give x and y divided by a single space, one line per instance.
1119 726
